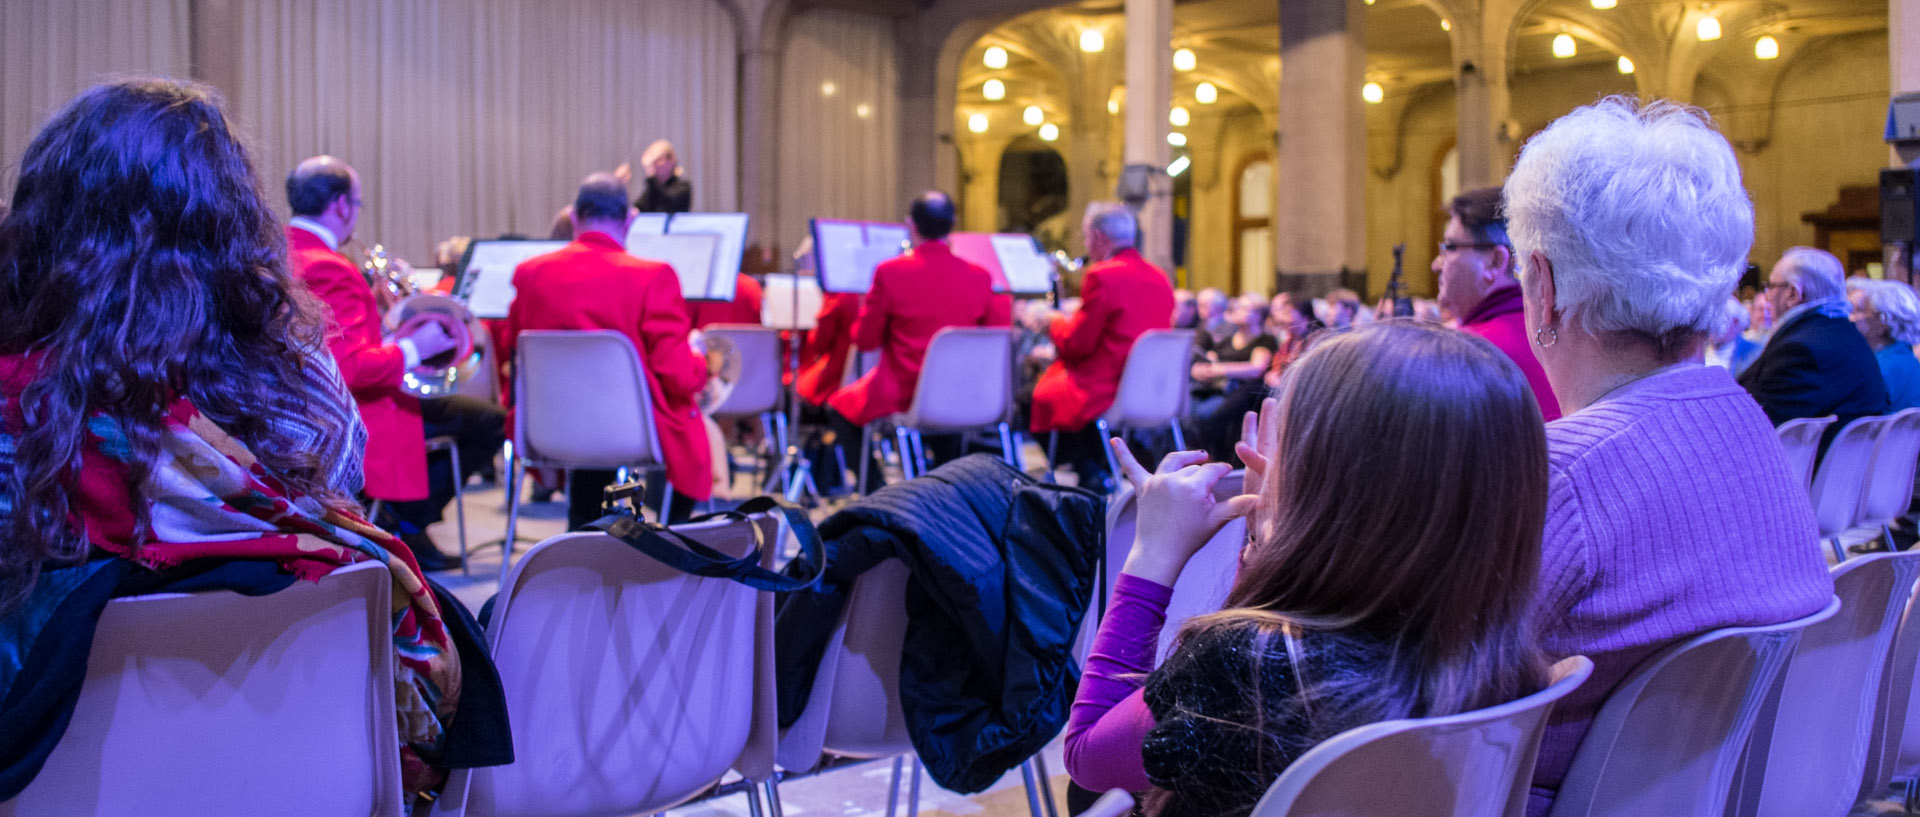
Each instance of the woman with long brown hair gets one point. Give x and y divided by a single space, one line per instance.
1394 543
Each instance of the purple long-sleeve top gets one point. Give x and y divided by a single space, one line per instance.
1109 718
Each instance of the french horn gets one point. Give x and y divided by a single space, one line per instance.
440 375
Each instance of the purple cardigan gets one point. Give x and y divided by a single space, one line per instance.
1110 719
1670 511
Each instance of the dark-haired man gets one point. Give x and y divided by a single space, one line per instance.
915 295
1477 285
593 283
324 194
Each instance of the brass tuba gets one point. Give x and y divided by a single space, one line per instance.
407 308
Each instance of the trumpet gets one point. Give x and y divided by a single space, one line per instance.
407 309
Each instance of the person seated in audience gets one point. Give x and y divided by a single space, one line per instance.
166 394
1475 273
592 283
1759 319
1212 323
1632 228
1242 355
1378 579
1887 313
1122 297
1729 348
1816 364
1186 311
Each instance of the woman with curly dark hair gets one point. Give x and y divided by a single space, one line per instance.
165 396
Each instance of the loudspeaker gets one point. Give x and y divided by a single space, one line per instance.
1898 221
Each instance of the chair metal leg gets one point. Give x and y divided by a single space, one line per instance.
913 791
893 789
754 808
460 506
666 499
1033 791
1053 446
1113 463
919 454
866 457
1046 785
1839 551
772 786
910 466
1006 446
776 444
1179 437
515 472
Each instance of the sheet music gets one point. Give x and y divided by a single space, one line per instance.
731 228
835 243
1028 270
691 257
646 224
781 309
486 282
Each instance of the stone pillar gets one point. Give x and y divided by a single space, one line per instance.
1149 75
1903 51
1320 228
1482 104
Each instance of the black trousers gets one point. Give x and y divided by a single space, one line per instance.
586 487
941 448
478 428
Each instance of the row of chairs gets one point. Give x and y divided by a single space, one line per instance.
1865 479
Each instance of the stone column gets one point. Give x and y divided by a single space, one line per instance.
1320 227
1149 76
1482 105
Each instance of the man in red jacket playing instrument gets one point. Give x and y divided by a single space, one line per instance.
593 283
324 194
1121 297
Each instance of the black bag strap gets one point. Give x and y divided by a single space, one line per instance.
682 553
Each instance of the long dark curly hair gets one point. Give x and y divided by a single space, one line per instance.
142 263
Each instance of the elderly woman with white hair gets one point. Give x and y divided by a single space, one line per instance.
1632 228
1887 313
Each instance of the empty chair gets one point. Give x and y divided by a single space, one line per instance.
1668 739
1808 757
632 687
965 385
581 401
1840 481
1474 764
1891 718
1801 441
1153 388
208 703
756 391
1889 482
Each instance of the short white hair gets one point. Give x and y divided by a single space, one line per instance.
1815 272
1114 221
1897 306
1640 211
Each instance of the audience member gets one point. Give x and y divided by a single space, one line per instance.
1816 364
1186 311
1887 313
1729 347
1632 228
1243 354
167 400
1122 296
1475 270
1213 325
1377 582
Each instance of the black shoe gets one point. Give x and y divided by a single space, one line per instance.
427 554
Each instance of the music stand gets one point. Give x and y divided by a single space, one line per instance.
791 303
692 260
1015 261
730 233
485 280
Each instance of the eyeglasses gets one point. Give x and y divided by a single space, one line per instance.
1773 285
1452 246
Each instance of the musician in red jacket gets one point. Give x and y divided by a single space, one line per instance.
324 194
913 296
1121 296
744 308
592 283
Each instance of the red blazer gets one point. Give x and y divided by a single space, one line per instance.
1120 298
593 283
914 296
823 358
744 308
396 461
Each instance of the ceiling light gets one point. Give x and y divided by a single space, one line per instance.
1033 115
1605 4
1092 41
994 90
1766 48
1115 97
1177 139
1180 116
1446 24
1113 106
863 110
977 123
1562 46
996 57
1179 165
828 89
1049 132
1626 65
1184 60
1206 94
1709 29
1373 93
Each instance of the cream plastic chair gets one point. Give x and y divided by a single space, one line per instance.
632 687
217 703
1669 737
1153 389
1889 482
1475 764
582 401
1840 481
966 384
1807 756
1800 439
1891 723
1203 583
756 394
853 710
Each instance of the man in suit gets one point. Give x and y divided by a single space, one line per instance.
1121 296
1816 363
324 194
915 295
592 283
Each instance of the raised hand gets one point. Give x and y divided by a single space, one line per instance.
1177 511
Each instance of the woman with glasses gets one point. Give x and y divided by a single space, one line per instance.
1475 269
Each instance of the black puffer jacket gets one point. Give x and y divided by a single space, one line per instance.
1002 569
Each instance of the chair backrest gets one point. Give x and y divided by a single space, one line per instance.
632 687
1891 723
1475 764
1669 737
194 703
1841 479
1801 441
853 709
966 380
1153 386
1203 583
758 389
1889 483
1809 756
582 400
